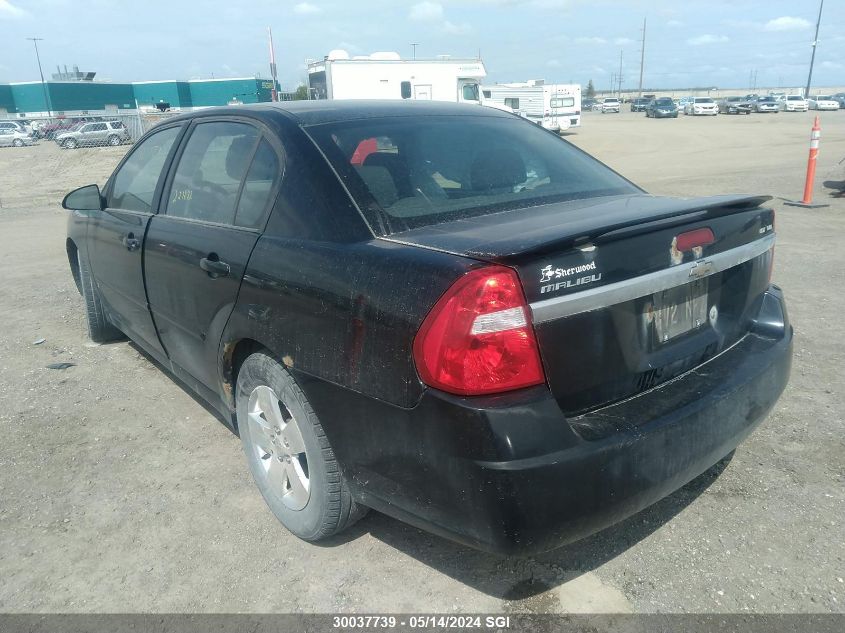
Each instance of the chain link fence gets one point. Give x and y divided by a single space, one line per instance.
104 130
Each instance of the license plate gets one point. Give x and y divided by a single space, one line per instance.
678 310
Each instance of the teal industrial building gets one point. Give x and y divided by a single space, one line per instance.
79 98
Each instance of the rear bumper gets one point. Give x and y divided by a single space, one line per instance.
511 475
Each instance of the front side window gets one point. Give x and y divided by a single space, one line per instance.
136 180
211 169
512 102
426 170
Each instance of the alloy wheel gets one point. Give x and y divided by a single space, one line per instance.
278 444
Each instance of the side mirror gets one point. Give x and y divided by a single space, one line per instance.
85 198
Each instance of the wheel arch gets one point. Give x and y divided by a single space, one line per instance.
234 353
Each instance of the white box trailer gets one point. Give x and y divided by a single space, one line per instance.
556 107
387 76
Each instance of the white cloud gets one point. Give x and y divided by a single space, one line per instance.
590 40
8 10
623 41
426 12
786 23
306 8
456 29
831 65
706 39
553 63
674 23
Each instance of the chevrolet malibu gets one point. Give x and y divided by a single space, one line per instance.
438 311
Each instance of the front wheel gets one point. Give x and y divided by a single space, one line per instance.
100 329
288 453
17 142
114 140
70 143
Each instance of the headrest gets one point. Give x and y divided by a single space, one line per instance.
497 168
238 155
380 183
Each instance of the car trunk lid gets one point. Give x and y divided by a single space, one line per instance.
625 292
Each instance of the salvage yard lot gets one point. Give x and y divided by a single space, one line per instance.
121 493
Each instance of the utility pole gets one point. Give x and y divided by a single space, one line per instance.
619 77
274 95
414 46
642 59
35 41
813 57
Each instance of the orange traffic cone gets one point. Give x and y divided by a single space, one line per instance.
807 200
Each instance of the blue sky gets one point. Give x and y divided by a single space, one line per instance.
703 43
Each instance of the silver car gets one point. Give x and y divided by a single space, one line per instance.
11 137
94 133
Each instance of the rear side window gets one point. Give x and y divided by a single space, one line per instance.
97 127
212 167
568 102
136 180
259 185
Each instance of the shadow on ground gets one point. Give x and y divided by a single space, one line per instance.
515 579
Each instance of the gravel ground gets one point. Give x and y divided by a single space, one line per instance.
119 492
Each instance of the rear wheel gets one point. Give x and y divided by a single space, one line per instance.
288 453
100 329
70 143
114 140
17 142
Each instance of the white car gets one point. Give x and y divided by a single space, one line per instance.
822 102
10 137
611 104
794 103
701 106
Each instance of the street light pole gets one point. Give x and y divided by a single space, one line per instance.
35 41
813 56
414 46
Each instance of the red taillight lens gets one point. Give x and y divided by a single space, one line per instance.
691 239
477 339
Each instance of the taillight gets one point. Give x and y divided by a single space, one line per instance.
477 339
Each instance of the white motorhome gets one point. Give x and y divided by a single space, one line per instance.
387 76
556 107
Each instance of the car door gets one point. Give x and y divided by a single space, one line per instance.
197 249
98 134
115 235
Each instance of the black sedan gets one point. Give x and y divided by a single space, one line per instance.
439 311
735 105
662 108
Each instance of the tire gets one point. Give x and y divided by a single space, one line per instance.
17 142
100 329
288 454
114 140
70 143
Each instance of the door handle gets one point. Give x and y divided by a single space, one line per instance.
214 267
130 242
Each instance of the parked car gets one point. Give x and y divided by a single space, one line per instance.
734 105
88 134
15 126
822 102
701 106
766 104
840 99
386 327
682 103
610 104
588 104
794 103
10 137
639 105
660 108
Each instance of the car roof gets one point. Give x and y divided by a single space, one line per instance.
333 111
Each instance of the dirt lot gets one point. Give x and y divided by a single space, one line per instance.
119 492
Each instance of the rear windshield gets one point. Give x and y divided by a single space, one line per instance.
409 172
